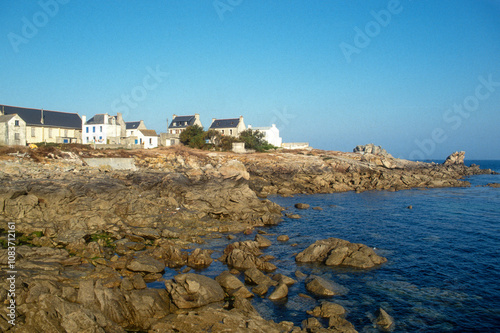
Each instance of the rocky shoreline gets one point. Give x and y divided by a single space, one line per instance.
89 239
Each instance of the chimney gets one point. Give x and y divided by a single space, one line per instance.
173 116
2 112
106 119
84 120
42 120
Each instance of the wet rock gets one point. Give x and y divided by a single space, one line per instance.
311 324
301 206
193 290
317 208
339 252
285 279
283 238
292 216
262 241
146 264
281 291
340 324
326 310
384 320
322 287
255 276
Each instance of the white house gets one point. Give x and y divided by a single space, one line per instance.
132 127
271 134
147 138
103 129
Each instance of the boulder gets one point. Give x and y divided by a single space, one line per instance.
232 285
311 324
262 241
339 252
384 320
281 291
322 287
256 277
371 149
340 324
146 264
285 279
200 258
193 290
283 238
326 310
234 169
457 158
301 206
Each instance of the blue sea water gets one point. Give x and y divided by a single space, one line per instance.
443 269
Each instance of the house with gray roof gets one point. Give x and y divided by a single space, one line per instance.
12 130
103 128
232 127
47 126
177 126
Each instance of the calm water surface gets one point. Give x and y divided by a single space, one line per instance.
443 269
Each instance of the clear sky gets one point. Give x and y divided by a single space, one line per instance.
420 78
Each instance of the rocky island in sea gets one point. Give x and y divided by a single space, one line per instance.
90 240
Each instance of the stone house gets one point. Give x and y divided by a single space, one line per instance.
231 127
103 129
177 126
12 130
47 126
271 134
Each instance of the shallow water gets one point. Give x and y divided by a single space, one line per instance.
443 268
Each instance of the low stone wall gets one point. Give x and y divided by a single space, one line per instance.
295 145
116 163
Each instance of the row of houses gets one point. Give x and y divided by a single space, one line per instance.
21 126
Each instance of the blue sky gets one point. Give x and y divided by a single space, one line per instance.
420 78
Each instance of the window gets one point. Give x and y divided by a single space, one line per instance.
100 129
131 132
231 131
33 132
17 137
150 141
50 132
16 123
100 138
86 129
88 139
93 129
222 131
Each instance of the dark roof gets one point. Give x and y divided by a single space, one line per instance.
98 119
225 123
132 124
178 122
33 117
6 118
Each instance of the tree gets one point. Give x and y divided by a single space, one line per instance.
214 137
254 140
193 136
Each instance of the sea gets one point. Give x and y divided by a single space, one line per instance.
443 268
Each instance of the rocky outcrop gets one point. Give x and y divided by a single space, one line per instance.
246 255
457 158
339 252
371 149
193 290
